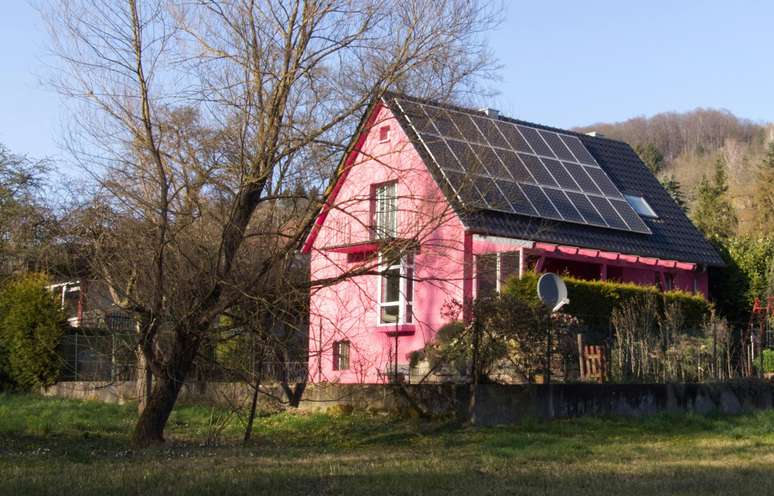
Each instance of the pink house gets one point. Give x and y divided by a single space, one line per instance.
435 204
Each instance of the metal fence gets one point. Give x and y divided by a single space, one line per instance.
104 356
97 357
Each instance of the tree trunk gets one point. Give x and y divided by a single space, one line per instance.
144 382
293 395
475 370
253 408
149 429
150 426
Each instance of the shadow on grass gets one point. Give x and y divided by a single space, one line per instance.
360 475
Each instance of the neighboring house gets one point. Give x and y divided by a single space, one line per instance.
87 304
468 198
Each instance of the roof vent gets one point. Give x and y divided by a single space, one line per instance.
595 134
493 113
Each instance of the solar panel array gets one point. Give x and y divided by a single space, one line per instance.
499 165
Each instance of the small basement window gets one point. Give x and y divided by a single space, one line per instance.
341 355
641 206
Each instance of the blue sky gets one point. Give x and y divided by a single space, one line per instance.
565 64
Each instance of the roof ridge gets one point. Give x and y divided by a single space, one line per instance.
470 110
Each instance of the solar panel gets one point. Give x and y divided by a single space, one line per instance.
463 186
607 212
537 169
560 174
535 141
582 155
491 193
629 215
564 205
515 166
469 130
556 144
586 208
492 134
486 155
464 155
604 182
443 122
581 177
441 152
418 118
514 137
498 165
516 196
540 201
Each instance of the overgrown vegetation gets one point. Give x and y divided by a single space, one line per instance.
593 302
31 325
51 445
508 333
653 335
653 344
749 275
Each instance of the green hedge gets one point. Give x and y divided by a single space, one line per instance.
768 361
593 301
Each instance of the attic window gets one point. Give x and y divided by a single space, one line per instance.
641 206
384 133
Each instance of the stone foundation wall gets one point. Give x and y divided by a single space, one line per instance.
492 405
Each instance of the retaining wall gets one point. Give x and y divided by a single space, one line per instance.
492 404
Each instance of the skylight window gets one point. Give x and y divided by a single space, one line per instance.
641 206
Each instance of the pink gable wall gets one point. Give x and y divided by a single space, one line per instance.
348 310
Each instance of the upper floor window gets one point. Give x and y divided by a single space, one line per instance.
396 291
641 206
385 205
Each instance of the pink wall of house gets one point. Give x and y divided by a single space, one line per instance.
348 310
444 264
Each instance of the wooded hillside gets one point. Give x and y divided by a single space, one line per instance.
687 145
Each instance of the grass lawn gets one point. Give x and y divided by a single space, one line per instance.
67 447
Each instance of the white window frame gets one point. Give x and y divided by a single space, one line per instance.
337 346
641 206
405 302
499 276
385 210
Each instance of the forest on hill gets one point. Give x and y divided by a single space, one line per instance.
684 147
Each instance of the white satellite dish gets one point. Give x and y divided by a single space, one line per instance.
552 291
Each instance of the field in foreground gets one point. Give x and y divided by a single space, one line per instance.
54 446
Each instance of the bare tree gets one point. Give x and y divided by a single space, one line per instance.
200 119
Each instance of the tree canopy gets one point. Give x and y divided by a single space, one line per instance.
713 212
764 194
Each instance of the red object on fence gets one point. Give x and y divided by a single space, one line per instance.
768 309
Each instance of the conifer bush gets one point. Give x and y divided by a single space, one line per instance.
31 326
